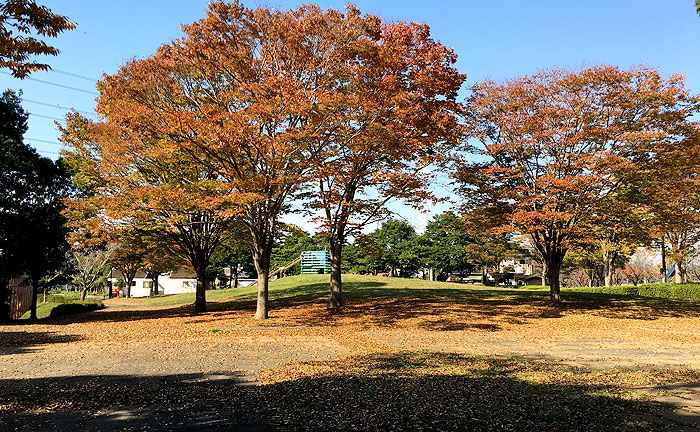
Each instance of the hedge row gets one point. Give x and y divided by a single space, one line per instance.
60 298
690 291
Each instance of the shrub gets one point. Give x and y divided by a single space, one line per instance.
74 308
671 291
658 290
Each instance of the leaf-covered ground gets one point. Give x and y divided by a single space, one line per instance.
404 355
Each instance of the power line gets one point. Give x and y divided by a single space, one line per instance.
109 40
48 151
47 117
89 58
92 113
44 141
74 75
54 84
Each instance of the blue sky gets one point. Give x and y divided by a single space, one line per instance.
494 39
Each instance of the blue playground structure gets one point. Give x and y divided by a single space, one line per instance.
670 273
315 262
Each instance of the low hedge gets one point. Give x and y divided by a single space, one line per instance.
60 298
690 291
74 308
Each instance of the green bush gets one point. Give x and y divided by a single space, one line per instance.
74 308
658 290
58 298
671 291
61 299
614 290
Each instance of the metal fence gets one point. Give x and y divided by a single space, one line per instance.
21 297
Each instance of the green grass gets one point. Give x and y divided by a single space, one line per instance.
354 287
301 288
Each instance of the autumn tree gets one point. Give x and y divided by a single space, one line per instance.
236 98
252 96
133 179
641 268
394 112
618 229
558 143
20 22
673 196
90 267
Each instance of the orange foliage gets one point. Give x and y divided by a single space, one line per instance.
560 144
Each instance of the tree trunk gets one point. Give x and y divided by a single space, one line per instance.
608 268
200 297
336 300
83 293
155 284
262 265
678 275
261 310
544 274
664 269
128 283
553 271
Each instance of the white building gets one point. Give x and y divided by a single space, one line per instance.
182 280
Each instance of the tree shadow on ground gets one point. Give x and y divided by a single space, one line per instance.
404 391
20 342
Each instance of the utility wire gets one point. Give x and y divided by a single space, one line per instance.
47 117
109 40
92 113
54 84
48 151
89 58
74 75
44 141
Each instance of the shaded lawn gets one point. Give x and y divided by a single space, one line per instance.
401 391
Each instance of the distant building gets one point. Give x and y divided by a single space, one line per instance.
182 280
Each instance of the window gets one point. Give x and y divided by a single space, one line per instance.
148 285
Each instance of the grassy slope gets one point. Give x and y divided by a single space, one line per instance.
359 287
315 286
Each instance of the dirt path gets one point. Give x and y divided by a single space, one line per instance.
149 344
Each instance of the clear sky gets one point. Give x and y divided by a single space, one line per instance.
494 39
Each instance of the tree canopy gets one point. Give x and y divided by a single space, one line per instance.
560 143
20 20
32 228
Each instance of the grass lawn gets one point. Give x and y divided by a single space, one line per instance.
359 288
